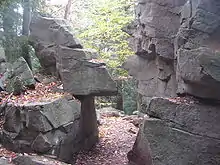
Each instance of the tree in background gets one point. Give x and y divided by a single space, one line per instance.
104 33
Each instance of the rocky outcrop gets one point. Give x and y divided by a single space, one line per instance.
61 54
197 41
47 127
177 46
174 129
177 52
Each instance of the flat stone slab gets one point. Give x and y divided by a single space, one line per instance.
81 76
36 160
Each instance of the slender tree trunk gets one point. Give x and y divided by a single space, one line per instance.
67 11
26 31
26 17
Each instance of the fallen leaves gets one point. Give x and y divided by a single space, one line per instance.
117 137
42 93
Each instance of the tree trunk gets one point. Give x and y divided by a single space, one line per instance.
26 17
67 11
26 31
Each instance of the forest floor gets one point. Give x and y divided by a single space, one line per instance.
117 137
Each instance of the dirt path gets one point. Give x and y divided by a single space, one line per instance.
117 137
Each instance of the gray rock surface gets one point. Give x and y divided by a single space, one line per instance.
21 70
46 34
35 160
189 130
80 76
43 127
197 41
168 37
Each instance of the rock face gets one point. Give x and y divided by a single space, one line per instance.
189 130
198 42
177 52
177 48
49 127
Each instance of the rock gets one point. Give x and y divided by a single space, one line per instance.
155 77
189 130
35 160
20 69
88 123
46 34
108 112
53 31
199 69
49 127
4 161
3 67
41 144
74 67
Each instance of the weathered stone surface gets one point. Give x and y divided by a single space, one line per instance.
35 160
46 34
189 130
20 69
41 144
155 77
88 123
199 69
53 31
82 77
174 28
4 161
43 127
198 43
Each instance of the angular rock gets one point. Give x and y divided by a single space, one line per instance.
35 160
41 144
53 31
189 130
199 69
46 34
82 77
20 69
43 127
155 77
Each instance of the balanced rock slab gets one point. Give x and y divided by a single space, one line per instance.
81 76
178 133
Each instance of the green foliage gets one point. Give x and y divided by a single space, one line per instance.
129 93
105 34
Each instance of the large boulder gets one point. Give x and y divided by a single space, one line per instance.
48 127
46 34
197 42
81 76
187 129
199 72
